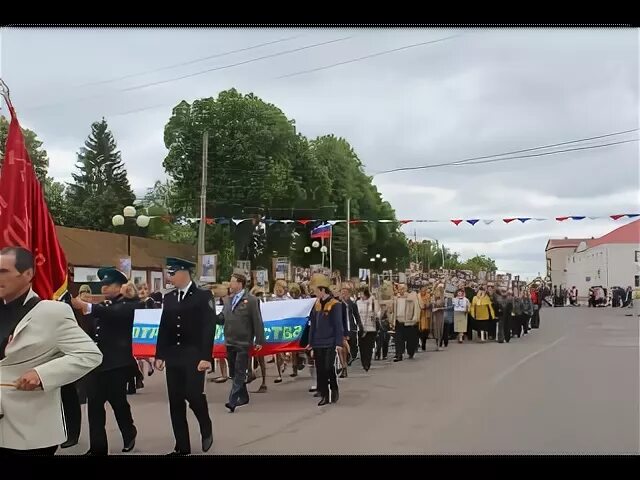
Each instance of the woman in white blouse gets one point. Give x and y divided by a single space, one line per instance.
461 307
370 316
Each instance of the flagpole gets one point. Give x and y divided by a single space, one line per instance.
348 238
203 203
330 250
322 250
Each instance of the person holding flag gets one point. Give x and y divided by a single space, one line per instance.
26 225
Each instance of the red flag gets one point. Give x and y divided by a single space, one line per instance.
508 220
616 217
24 217
562 219
457 222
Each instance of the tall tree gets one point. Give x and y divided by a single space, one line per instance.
101 188
479 263
259 165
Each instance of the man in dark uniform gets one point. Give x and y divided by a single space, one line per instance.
185 345
111 329
351 318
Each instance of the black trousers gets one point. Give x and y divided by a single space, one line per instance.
325 369
238 359
520 324
406 339
186 384
504 328
366 349
109 386
446 333
469 327
72 412
353 344
535 319
424 336
48 451
382 344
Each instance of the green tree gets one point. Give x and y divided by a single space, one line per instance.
259 165
479 263
54 193
101 188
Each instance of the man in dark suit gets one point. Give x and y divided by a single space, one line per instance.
110 329
185 345
351 320
243 329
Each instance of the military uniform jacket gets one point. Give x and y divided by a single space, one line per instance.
187 328
110 326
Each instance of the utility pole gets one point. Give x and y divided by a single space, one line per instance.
203 202
348 238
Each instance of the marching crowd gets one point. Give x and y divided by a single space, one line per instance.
94 348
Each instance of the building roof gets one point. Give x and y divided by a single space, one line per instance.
88 248
629 233
564 243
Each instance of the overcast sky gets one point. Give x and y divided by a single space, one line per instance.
480 93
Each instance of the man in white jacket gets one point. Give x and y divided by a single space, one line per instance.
42 348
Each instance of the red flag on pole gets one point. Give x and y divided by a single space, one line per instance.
24 217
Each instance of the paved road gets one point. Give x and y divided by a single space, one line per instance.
570 387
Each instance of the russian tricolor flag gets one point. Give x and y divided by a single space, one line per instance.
283 322
323 231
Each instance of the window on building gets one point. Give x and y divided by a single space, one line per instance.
637 255
637 280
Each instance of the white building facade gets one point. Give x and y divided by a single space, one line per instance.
608 261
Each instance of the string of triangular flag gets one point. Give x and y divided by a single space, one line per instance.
457 222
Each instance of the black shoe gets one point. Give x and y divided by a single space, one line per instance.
317 395
397 359
334 396
323 402
500 341
232 408
313 389
71 442
207 443
130 445
343 374
176 453
410 357
94 454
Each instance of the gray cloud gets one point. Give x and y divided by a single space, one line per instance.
485 92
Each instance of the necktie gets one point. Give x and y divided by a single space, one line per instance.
180 296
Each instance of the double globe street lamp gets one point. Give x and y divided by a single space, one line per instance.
316 244
378 259
129 214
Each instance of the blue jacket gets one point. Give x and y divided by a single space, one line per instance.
326 324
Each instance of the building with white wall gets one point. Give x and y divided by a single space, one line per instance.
558 252
609 261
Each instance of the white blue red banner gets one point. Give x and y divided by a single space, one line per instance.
284 323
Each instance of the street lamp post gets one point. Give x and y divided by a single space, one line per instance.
378 260
316 244
129 214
